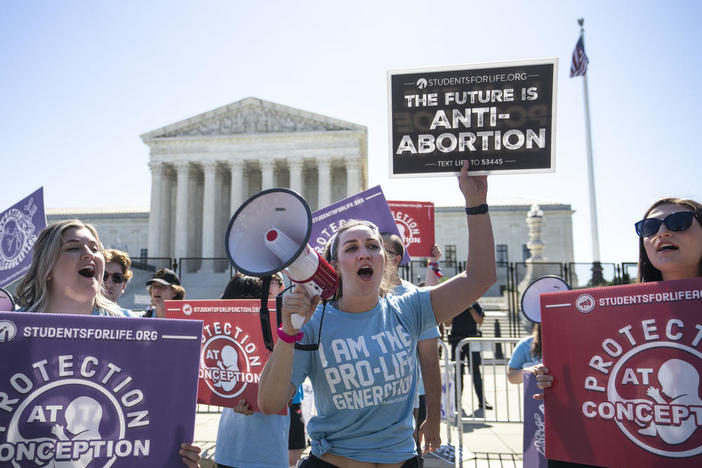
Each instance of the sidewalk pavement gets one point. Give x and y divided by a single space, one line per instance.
484 445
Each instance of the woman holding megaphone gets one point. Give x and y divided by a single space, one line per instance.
364 371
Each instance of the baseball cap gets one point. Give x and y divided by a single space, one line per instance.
164 276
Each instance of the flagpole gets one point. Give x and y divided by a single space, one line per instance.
596 265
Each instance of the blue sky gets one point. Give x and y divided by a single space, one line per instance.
80 81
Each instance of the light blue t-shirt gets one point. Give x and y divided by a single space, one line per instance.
433 332
364 378
255 441
521 357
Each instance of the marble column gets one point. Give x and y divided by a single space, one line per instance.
236 168
181 222
295 166
323 182
353 176
267 168
209 169
164 249
154 244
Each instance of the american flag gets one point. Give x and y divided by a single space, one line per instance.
578 65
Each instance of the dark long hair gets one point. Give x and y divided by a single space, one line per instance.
647 272
243 287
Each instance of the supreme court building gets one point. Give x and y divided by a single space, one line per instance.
204 167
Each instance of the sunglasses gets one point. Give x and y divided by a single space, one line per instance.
117 278
392 252
679 221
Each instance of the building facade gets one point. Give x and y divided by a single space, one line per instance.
204 167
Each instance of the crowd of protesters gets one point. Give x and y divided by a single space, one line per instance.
72 273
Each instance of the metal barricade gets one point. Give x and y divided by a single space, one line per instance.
505 398
447 384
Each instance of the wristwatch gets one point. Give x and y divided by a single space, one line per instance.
480 209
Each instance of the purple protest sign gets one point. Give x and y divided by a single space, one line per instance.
19 226
96 391
369 205
534 434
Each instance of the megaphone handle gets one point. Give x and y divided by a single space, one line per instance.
265 315
296 320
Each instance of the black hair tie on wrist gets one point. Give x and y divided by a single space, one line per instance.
480 209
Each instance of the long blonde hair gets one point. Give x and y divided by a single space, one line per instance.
32 291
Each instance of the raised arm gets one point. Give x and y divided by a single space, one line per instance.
453 296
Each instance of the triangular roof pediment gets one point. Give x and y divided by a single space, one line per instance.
251 116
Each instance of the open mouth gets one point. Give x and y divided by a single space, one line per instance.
667 247
87 271
365 272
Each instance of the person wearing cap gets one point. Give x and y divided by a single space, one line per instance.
163 286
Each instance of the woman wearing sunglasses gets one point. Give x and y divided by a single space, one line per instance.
364 372
670 240
117 273
66 274
670 248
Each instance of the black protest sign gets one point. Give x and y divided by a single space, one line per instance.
500 117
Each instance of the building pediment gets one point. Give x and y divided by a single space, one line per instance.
250 116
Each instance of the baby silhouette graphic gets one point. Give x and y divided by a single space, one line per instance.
83 416
680 382
230 361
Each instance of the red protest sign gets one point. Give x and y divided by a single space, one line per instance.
232 354
626 363
415 221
